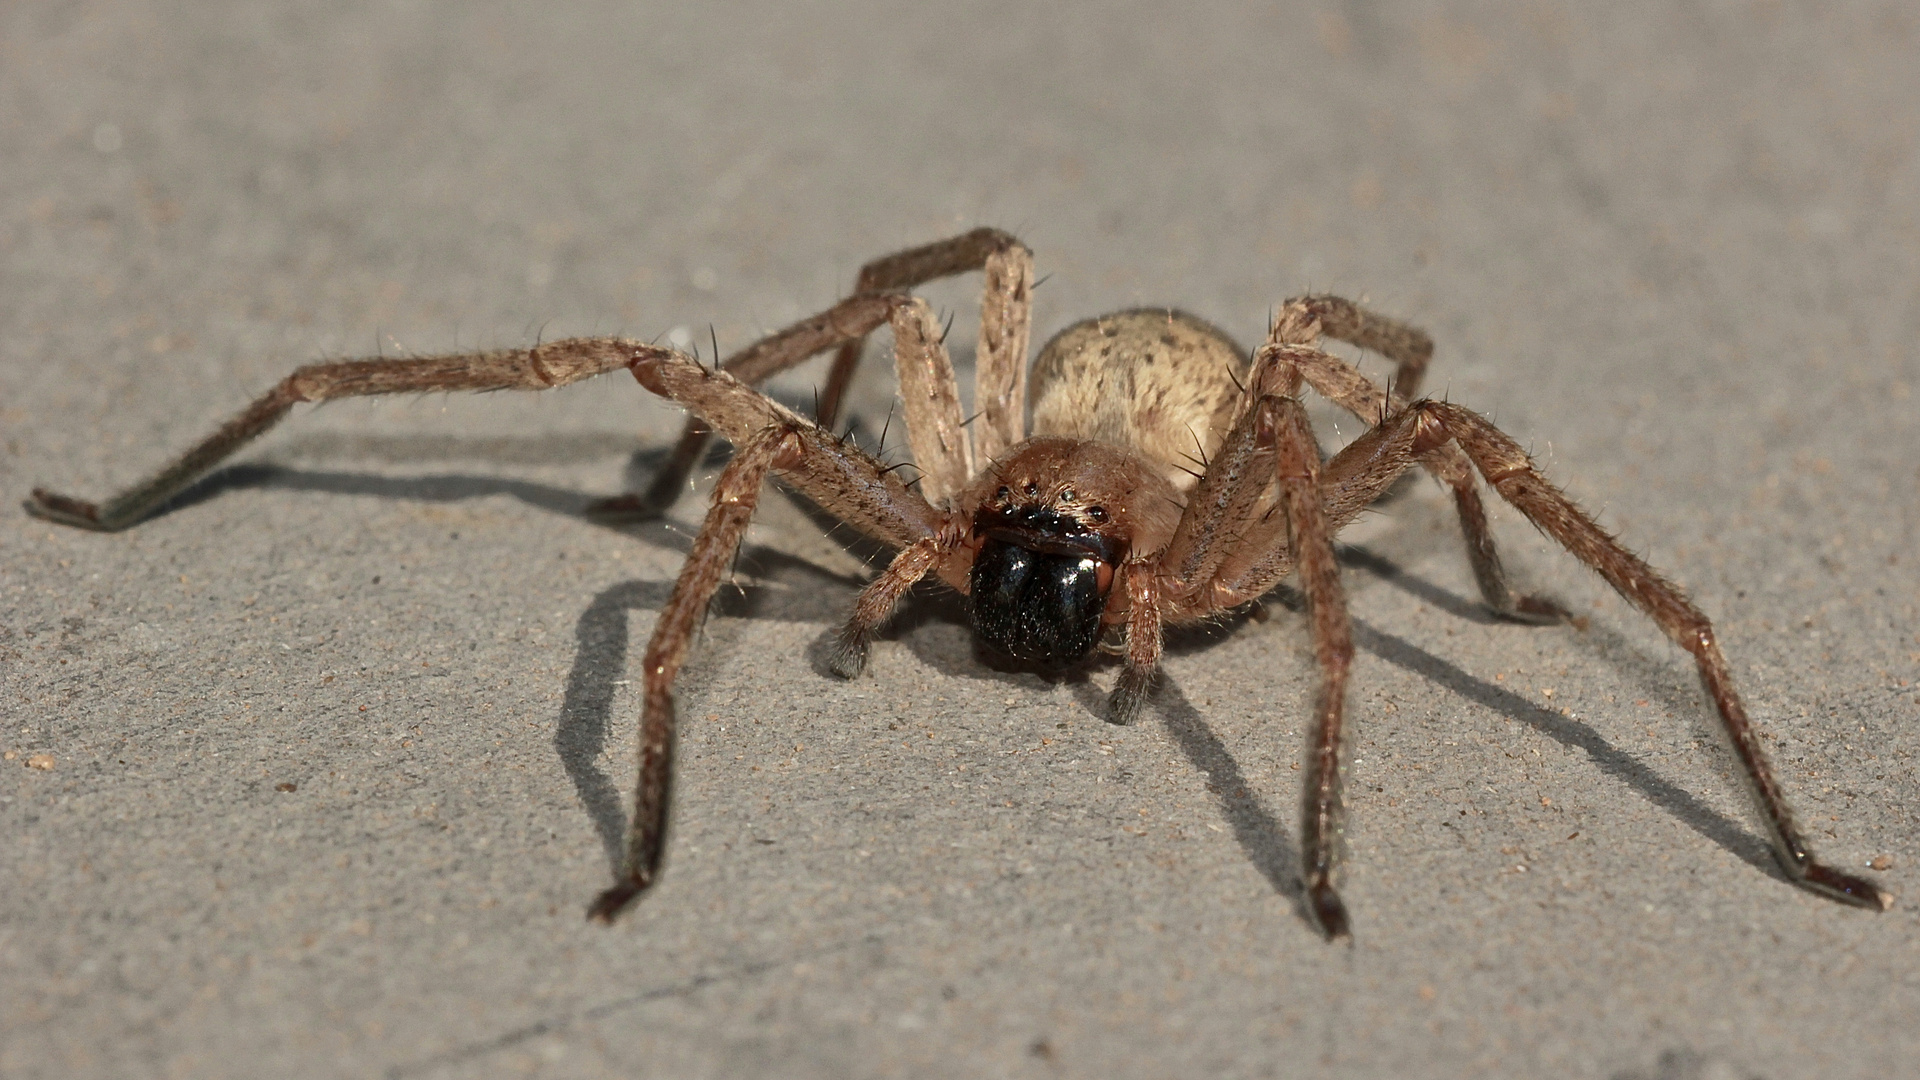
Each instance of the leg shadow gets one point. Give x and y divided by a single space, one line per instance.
1261 836
1387 570
603 639
441 488
445 487
1268 844
1564 730
1575 735
586 711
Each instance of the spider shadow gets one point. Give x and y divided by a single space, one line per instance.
641 465
1569 732
603 639
440 488
1267 843
601 632
602 636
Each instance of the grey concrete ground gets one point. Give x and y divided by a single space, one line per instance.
339 747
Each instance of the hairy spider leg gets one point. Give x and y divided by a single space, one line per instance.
1370 464
540 368
851 319
1006 311
1286 358
735 496
877 603
841 478
1513 474
1304 319
1000 366
1283 425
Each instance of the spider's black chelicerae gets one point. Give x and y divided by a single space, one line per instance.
1081 523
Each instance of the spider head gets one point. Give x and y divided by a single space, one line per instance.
1039 583
1053 520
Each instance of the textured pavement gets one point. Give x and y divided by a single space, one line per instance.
339 747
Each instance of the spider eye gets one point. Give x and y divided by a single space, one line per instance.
1096 514
1032 489
1066 495
1002 495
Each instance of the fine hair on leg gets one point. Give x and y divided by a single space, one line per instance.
543 367
734 498
1283 424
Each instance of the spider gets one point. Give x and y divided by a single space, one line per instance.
1085 528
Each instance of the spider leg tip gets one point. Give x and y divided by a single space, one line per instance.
1846 888
1329 912
608 905
66 510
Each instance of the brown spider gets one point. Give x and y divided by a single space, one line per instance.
1092 526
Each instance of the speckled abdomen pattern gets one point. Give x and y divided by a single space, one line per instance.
1157 381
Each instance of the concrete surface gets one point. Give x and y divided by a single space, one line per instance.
1673 248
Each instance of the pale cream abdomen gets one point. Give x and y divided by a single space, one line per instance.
1159 382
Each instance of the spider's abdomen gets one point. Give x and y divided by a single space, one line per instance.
1159 382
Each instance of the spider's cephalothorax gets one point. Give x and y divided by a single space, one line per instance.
1053 522
1121 405
1170 479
